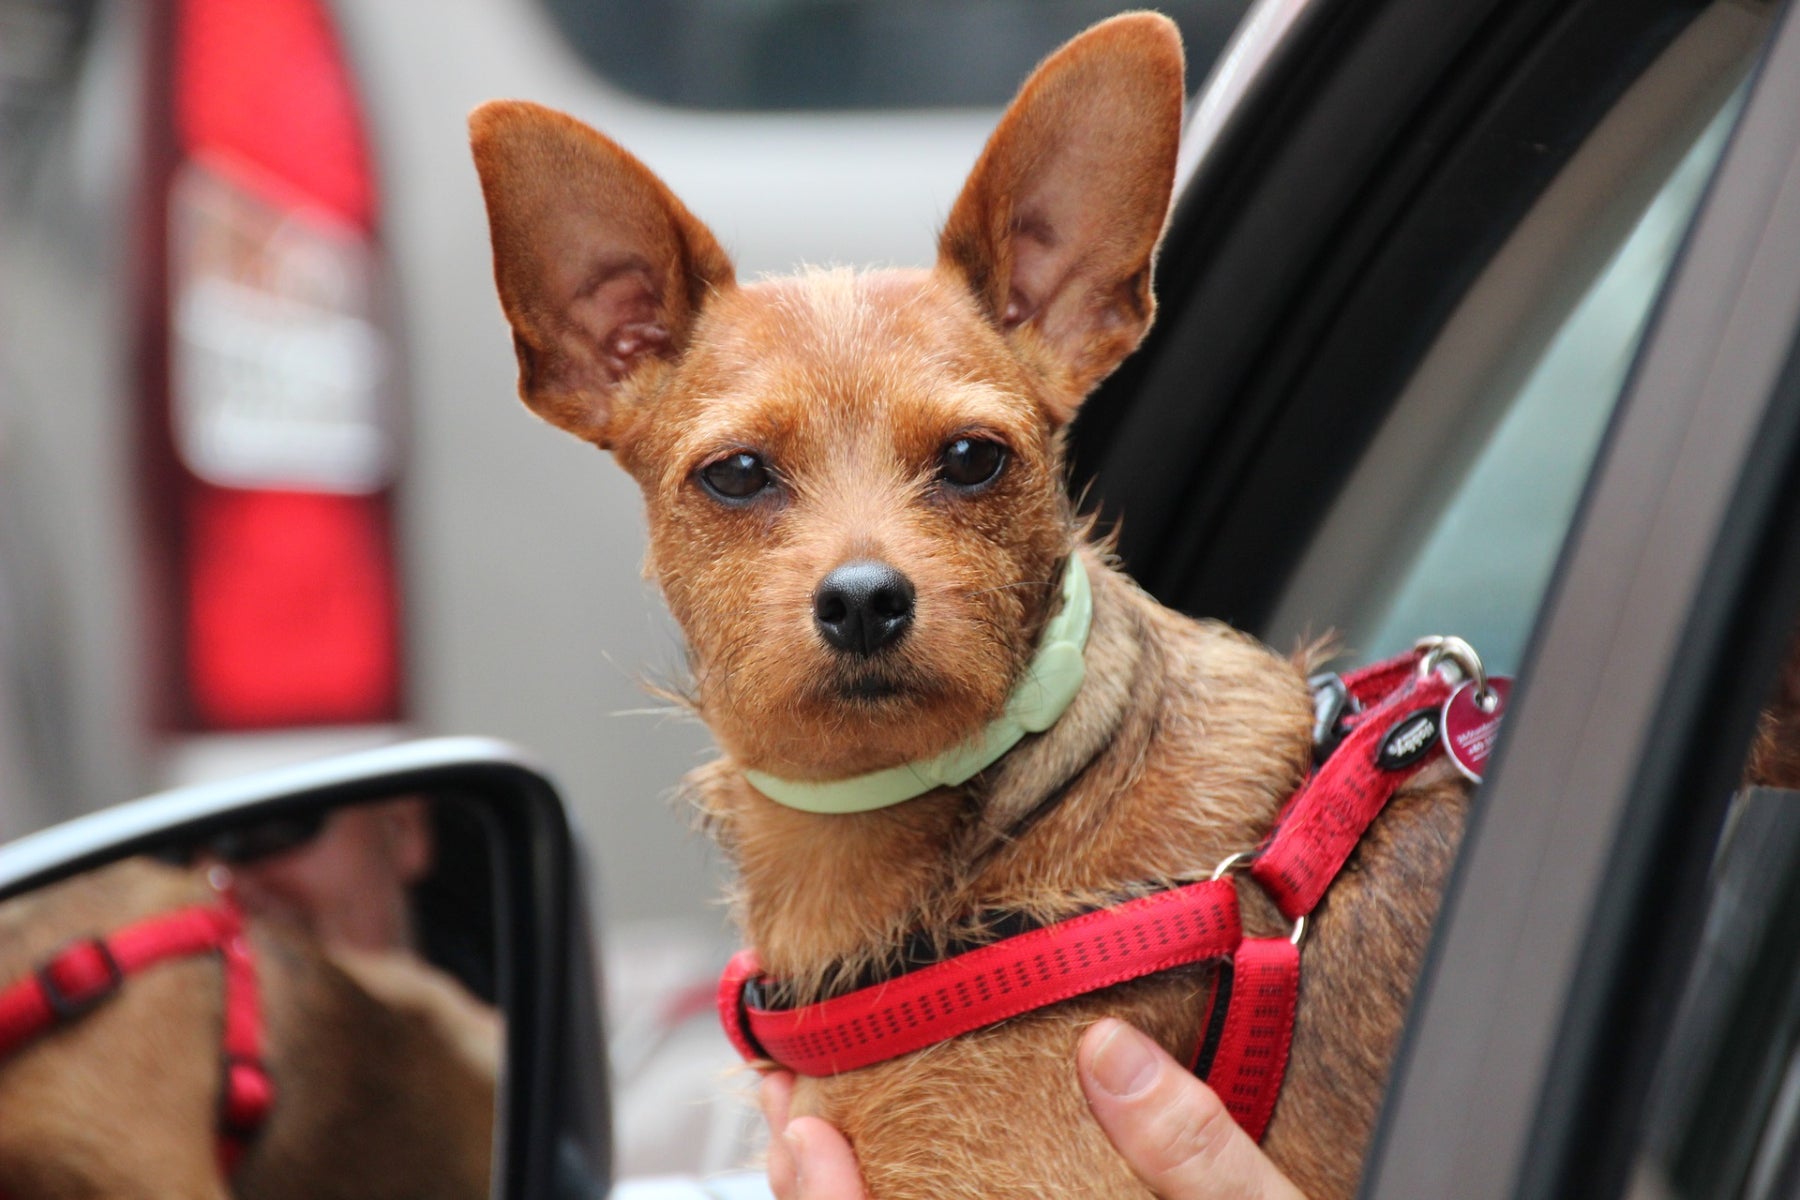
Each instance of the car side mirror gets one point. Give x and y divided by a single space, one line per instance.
368 976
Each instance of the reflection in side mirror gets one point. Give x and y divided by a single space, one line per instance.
298 994
304 1001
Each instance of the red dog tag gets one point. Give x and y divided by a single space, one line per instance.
1471 724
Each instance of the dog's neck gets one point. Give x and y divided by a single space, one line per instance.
1052 827
1025 786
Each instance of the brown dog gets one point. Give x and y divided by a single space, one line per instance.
384 1071
855 488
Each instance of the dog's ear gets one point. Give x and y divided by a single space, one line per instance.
601 270
1058 222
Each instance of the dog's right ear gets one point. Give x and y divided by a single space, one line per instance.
601 270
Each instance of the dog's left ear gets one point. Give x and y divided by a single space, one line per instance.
1058 223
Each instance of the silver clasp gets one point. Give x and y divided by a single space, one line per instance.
1437 652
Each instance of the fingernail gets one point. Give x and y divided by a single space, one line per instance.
1124 1062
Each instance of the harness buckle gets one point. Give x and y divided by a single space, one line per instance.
66 1003
1332 702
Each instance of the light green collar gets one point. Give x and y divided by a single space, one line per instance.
1043 692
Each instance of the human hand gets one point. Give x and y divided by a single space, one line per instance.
808 1159
1170 1127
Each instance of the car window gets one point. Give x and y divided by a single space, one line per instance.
1487 559
1452 520
847 54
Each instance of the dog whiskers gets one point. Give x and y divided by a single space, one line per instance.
1024 583
676 711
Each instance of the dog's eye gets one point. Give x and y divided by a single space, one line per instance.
736 476
970 462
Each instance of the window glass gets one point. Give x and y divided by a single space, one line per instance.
848 54
1451 520
1487 561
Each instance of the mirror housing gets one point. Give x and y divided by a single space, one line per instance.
553 1132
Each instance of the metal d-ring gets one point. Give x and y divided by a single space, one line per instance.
1242 859
1435 650
1231 861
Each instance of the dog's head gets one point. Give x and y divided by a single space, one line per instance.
854 481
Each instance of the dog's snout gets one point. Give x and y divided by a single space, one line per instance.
862 606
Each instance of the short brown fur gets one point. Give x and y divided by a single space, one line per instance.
384 1076
1179 748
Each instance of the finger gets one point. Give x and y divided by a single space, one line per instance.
1172 1128
775 1096
823 1160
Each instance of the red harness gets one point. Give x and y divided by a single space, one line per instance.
85 973
1378 726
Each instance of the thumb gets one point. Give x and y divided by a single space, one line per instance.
1170 1127
824 1165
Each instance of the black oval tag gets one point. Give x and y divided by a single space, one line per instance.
1411 738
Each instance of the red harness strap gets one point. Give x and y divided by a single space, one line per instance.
1249 1060
1320 827
1389 740
85 973
1391 733
982 987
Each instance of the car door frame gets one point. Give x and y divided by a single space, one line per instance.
1526 1065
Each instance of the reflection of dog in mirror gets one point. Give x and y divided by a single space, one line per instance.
855 490
384 1069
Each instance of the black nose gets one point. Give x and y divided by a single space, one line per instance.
863 606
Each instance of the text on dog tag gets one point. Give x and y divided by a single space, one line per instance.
1471 724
